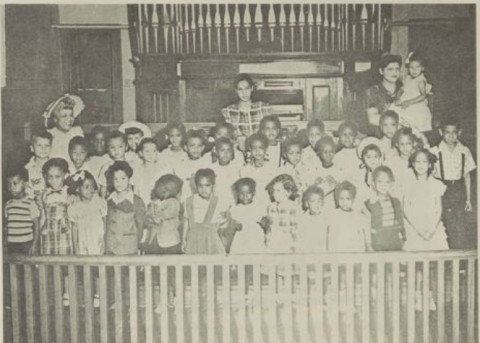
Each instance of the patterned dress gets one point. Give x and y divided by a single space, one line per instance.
246 123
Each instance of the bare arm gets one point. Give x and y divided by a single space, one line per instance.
423 95
373 116
438 218
186 228
36 237
468 191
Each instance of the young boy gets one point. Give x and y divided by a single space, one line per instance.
78 152
98 140
41 145
270 126
116 148
21 216
346 157
453 167
315 131
389 122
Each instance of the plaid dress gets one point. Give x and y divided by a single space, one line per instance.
56 233
283 221
246 123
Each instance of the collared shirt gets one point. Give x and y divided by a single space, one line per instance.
19 215
36 182
119 197
246 123
449 162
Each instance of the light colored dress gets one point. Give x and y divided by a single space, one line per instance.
250 239
347 161
418 115
262 176
144 178
36 182
273 156
419 208
171 158
88 217
186 171
346 231
403 174
312 233
283 219
225 178
96 163
61 139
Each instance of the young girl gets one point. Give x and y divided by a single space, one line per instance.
370 154
147 170
270 126
226 170
162 221
303 173
205 217
116 148
389 125
312 233
384 213
315 131
249 239
281 222
134 132
174 154
88 216
59 119
412 104
226 130
346 225
56 229
99 156
78 152
423 206
126 212
346 157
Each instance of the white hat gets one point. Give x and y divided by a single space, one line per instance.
369 141
77 107
136 124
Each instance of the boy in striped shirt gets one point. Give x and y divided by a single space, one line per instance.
21 216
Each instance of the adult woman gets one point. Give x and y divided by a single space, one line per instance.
245 115
383 94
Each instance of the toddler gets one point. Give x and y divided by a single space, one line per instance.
21 216
385 213
148 170
346 225
59 119
174 154
125 212
281 222
78 152
41 145
371 157
270 126
453 167
249 238
99 156
162 222
389 124
134 132
226 170
205 217
303 173
312 232
116 148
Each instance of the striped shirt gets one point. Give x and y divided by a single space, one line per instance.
388 218
19 215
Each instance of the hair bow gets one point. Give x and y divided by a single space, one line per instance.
407 60
79 176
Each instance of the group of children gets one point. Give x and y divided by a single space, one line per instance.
120 193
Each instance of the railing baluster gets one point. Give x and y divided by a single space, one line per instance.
218 26
301 24
208 24
411 302
363 22
426 301
179 303
456 302
319 25
282 20
29 304
350 303
15 303
59 291
334 295
259 21
366 302
271 22
193 28
195 296
441 302
354 26
187 27
241 313
150 30
166 26
227 22
237 24
88 302
471 300
104 332
257 304
73 294
178 28
288 297
303 304
155 25
380 302
310 25
396 301
291 23
326 28
201 25
44 306
226 303
148 291
272 304
247 21
164 332
117 277
133 288
318 306
210 304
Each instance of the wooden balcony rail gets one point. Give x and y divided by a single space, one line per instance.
222 29
377 297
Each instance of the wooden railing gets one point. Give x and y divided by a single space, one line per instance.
375 297
239 28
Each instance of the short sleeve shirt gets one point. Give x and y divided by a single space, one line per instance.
449 162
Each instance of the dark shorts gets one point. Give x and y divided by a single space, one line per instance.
155 249
19 248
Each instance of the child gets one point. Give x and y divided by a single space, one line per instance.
312 233
281 222
205 217
21 216
389 124
226 170
270 126
116 148
226 130
125 214
148 170
422 205
195 144
59 119
257 167
303 173
315 131
134 132
412 104
370 154
346 226
162 222
346 157
174 154
41 145
384 213
78 152
56 229
453 167
99 156
249 239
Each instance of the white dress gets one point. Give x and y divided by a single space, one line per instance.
225 178
312 233
419 207
347 161
403 174
251 238
418 115
346 231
